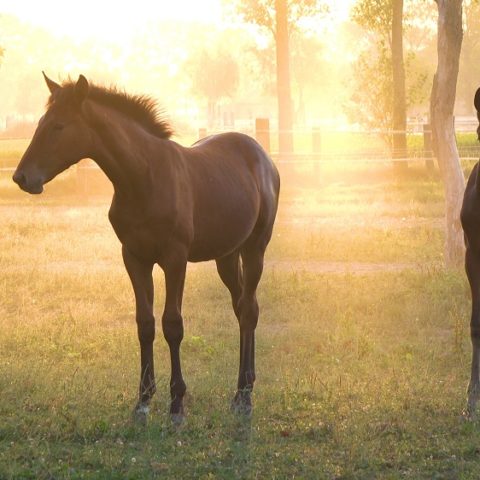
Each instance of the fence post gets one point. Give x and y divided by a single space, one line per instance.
316 150
427 146
262 132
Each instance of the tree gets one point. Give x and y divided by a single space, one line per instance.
442 100
285 110
387 82
310 76
280 17
399 123
215 76
370 103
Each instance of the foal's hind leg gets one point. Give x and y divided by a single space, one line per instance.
252 260
472 266
229 270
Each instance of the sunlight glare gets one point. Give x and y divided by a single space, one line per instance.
112 21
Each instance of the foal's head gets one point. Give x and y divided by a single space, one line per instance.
470 214
61 139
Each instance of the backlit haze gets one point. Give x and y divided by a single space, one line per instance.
154 48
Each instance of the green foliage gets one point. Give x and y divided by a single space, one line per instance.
371 100
214 73
374 16
417 81
262 12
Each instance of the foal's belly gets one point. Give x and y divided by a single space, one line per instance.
209 242
217 239
224 216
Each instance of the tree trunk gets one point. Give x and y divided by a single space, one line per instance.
442 100
398 77
285 123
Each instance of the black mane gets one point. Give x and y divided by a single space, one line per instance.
141 108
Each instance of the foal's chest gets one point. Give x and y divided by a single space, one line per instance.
144 235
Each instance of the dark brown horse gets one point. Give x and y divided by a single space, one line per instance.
171 204
470 217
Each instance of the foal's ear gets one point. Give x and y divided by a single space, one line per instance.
476 101
52 86
81 89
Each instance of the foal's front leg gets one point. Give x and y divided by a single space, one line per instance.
172 324
140 275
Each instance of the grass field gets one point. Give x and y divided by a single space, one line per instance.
362 345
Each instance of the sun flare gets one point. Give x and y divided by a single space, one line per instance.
112 21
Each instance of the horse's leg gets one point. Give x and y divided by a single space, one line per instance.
252 260
229 270
172 324
141 277
472 267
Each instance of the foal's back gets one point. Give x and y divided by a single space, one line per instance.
235 188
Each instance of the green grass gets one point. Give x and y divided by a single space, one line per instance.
372 387
359 375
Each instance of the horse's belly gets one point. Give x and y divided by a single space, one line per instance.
201 254
218 239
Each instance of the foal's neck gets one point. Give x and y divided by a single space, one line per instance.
120 151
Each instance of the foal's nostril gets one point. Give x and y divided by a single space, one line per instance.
19 178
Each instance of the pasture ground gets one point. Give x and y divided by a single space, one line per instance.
363 347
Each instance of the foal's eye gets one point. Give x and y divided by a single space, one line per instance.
58 126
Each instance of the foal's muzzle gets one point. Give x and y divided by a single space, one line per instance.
26 184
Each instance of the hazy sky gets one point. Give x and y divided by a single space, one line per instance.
107 19
114 30
117 20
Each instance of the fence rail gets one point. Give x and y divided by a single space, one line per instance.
316 146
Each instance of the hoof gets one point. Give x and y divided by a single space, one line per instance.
177 412
473 396
469 414
140 414
242 404
178 419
